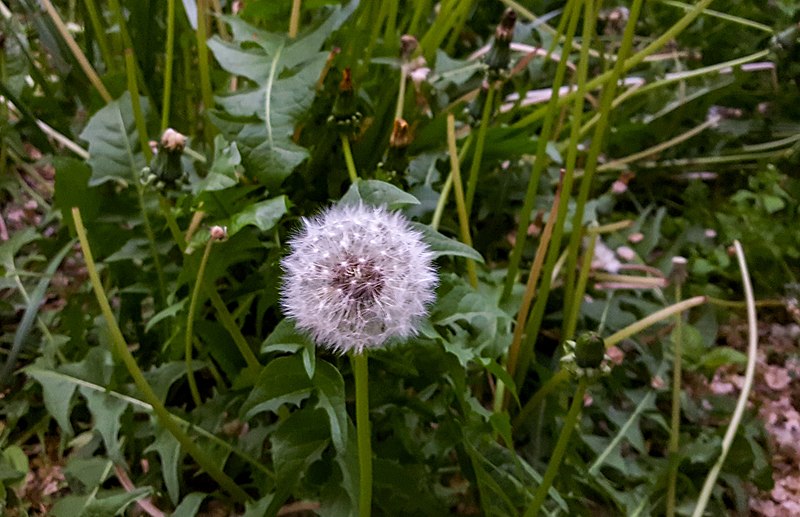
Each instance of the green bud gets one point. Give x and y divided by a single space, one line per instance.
590 350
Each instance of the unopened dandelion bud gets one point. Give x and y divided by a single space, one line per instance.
219 233
408 45
401 134
585 356
499 55
166 170
345 115
679 270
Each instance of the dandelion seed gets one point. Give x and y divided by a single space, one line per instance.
357 277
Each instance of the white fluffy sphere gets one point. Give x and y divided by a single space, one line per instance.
357 277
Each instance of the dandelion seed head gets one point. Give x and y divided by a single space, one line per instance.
357 277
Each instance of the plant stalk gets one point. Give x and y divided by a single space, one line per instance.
121 350
361 373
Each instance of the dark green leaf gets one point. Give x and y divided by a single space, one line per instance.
114 142
282 381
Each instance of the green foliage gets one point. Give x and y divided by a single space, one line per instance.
451 431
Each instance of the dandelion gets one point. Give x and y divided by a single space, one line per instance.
357 277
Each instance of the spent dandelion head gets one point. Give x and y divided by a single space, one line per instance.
357 277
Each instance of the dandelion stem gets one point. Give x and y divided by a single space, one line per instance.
361 373
80 57
675 420
741 404
149 396
169 59
190 323
348 158
294 19
474 169
463 217
558 452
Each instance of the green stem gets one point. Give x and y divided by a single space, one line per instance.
169 59
571 12
76 51
463 218
187 343
151 237
629 63
558 452
138 116
401 93
448 184
571 322
741 404
472 181
100 34
294 19
122 351
202 56
675 421
361 372
554 249
172 224
610 341
723 16
227 320
620 163
348 158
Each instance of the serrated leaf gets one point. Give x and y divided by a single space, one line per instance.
263 215
262 120
57 395
107 411
169 450
378 193
114 152
441 245
282 381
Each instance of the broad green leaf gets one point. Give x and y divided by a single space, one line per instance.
72 189
282 381
264 215
13 465
114 142
378 193
169 450
107 411
441 245
330 391
88 472
285 338
170 312
57 394
297 443
265 136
